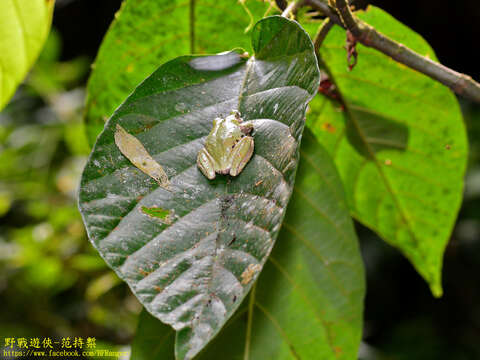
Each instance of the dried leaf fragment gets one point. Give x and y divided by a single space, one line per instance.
249 272
134 151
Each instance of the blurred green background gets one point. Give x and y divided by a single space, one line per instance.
52 282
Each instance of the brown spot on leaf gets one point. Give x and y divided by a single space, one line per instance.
249 272
143 272
329 127
234 238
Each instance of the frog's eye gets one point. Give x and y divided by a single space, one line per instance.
236 113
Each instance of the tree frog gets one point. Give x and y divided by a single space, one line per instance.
228 148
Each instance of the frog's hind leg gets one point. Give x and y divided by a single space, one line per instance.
241 155
206 164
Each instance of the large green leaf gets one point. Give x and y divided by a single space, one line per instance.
24 26
399 144
147 33
192 272
309 298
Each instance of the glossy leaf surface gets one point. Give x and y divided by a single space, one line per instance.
308 300
193 272
147 33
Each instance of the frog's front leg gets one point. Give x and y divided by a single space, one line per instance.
246 127
206 164
242 152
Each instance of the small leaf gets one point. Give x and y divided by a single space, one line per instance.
399 143
308 302
24 26
187 273
159 213
146 33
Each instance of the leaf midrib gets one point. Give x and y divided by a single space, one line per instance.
373 156
248 67
409 149
92 99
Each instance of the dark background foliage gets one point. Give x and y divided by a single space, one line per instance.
402 320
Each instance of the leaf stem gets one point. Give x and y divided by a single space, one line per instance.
460 83
322 34
248 336
192 26
292 8
250 16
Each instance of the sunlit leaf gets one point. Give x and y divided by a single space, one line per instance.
399 144
24 26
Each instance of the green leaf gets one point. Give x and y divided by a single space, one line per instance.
24 26
187 272
308 300
147 33
153 339
399 144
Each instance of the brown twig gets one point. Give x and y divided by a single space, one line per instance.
322 34
326 10
460 83
351 47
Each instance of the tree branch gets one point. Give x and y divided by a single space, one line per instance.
460 83
326 10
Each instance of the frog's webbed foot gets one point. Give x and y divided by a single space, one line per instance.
242 153
206 164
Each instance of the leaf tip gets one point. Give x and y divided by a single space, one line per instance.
436 289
